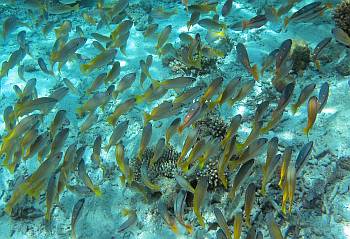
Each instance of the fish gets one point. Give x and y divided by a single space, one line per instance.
282 55
169 220
251 234
86 179
229 151
97 100
312 110
163 110
59 93
237 226
268 61
101 38
269 171
172 129
98 61
43 104
8 120
117 134
63 30
132 219
121 109
70 86
90 120
58 9
121 29
303 156
341 36
243 92
125 83
307 12
240 177
226 94
199 198
184 183
220 218
58 141
195 112
66 168
193 20
150 30
259 113
291 185
179 207
67 51
98 81
249 202
203 7
44 68
168 50
304 95
29 138
212 25
145 179
189 142
89 19
157 152
10 24
57 122
318 49
162 13
323 96
51 192
163 37
274 230
77 210
39 143
188 95
98 46
287 155
175 83
113 73
118 7
15 59
33 184
243 58
96 150
212 89
123 164
145 139
255 22
225 11
195 153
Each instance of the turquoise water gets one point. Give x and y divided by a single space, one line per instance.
168 119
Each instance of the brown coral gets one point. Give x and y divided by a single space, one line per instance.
341 16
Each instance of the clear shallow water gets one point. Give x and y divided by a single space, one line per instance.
321 196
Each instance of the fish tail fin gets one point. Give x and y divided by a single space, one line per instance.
306 130
85 68
76 7
188 228
97 191
175 229
8 209
317 64
180 129
329 5
255 72
294 108
139 99
147 118
111 120
213 104
80 111
286 22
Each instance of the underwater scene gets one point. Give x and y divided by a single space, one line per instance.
174 119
